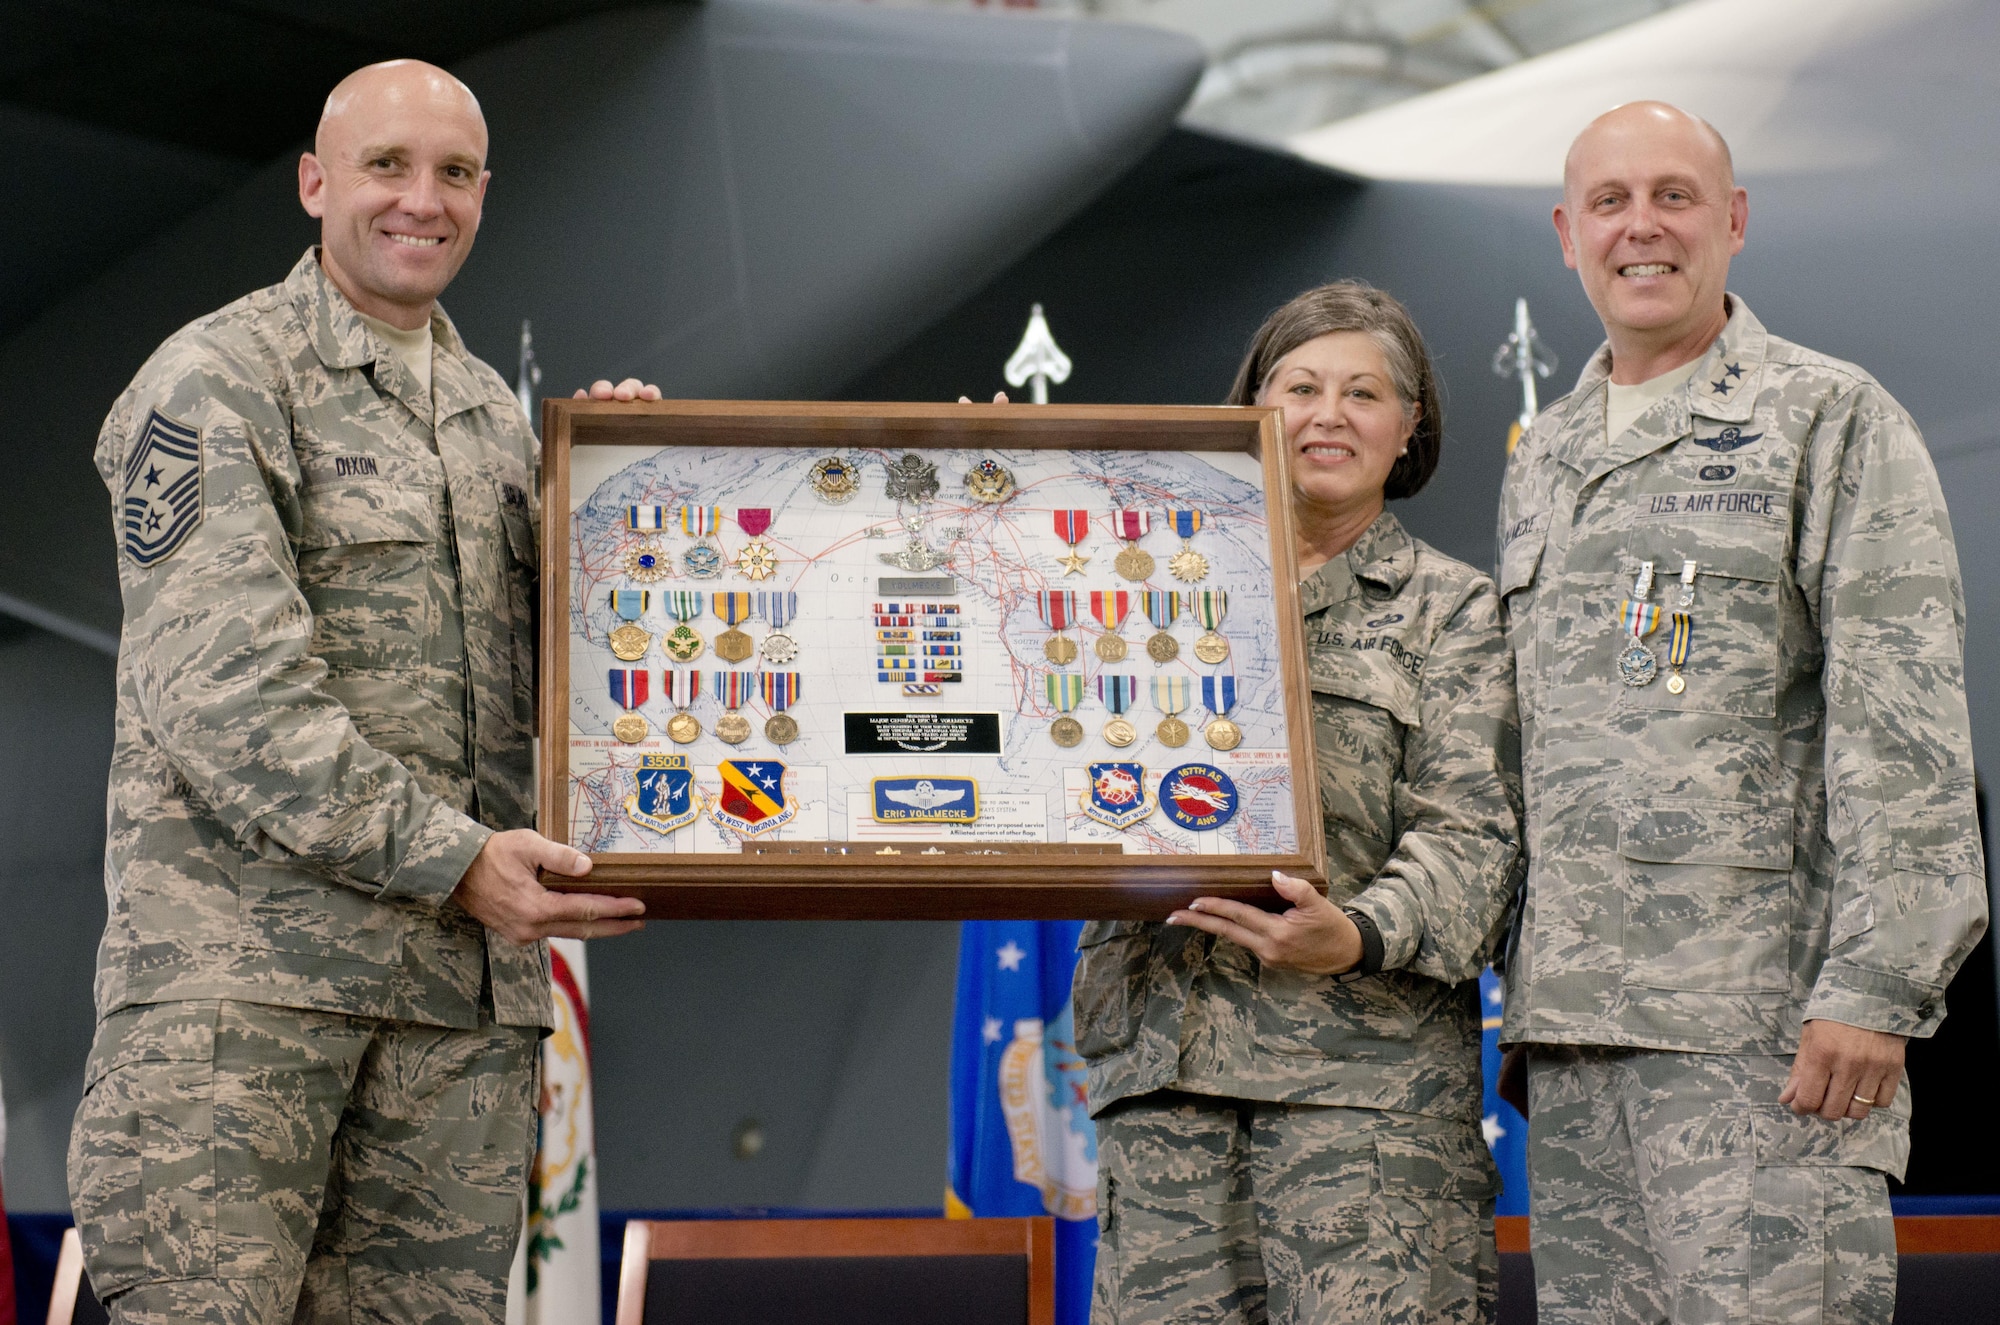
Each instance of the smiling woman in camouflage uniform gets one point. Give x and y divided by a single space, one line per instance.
1288 1105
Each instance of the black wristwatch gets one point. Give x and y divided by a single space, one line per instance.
1371 947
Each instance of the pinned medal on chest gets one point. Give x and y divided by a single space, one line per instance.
1637 618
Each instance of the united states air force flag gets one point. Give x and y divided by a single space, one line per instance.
1506 1131
1022 1142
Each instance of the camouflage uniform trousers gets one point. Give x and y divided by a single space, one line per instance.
234 1162
1674 1187
1237 1212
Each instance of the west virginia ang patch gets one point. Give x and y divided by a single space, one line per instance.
162 498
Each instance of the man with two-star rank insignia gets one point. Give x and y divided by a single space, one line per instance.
1733 600
322 982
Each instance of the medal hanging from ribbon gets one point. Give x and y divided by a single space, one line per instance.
628 690
757 560
1058 609
704 560
732 645
781 691
1636 665
1109 606
1209 607
1170 696
646 561
1071 527
1187 564
1065 692
683 643
630 640
1134 563
1218 695
1117 694
1163 608
778 608
1680 633
683 689
732 688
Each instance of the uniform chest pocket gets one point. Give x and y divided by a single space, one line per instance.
1520 567
1364 700
1733 628
369 569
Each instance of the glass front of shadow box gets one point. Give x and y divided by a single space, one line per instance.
883 646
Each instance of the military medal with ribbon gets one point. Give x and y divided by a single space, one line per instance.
683 643
1681 632
987 482
733 689
1218 696
1109 606
628 688
1170 696
683 689
756 561
1187 564
1163 608
646 561
778 608
1134 562
732 645
704 559
1636 665
1071 526
630 641
1065 691
1209 606
781 691
1118 692
1058 609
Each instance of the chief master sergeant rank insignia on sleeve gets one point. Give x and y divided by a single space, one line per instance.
162 496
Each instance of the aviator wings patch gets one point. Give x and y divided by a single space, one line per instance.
162 497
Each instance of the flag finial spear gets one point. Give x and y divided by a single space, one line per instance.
1523 356
1038 359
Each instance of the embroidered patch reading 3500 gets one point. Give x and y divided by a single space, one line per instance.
162 499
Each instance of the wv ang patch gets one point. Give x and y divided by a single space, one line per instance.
162 497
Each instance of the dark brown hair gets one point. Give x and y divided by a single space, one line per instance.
1353 306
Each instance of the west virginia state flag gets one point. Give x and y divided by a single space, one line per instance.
1022 1142
556 1273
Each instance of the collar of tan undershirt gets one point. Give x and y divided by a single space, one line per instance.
412 347
1624 404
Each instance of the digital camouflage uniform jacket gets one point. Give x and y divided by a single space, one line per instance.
326 681
1417 752
1793 835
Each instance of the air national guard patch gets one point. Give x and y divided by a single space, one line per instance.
752 799
665 800
1198 797
1117 794
932 800
162 499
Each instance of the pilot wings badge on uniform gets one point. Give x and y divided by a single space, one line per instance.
162 497
1729 439
931 800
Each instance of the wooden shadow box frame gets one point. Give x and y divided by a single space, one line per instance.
810 881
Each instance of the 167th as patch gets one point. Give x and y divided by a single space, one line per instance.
162 502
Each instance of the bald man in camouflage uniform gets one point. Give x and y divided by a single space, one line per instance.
1755 863
321 985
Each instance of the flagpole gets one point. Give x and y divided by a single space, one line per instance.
1524 357
1037 360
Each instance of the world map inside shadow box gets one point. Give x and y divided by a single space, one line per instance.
922 661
